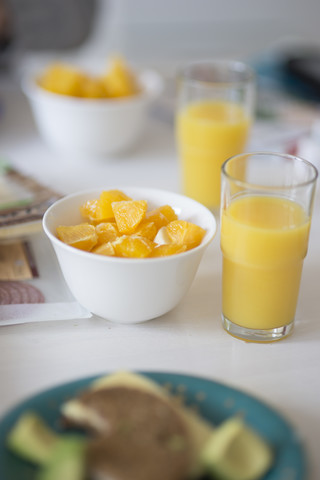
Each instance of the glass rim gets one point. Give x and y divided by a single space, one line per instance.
251 185
236 66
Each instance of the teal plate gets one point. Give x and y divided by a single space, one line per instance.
215 401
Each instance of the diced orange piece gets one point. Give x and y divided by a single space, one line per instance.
147 230
133 246
185 233
129 214
161 216
168 212
165 250
157 218
82 236
107 197
119 79
100 210
89 209
93 88
123 227
106 232
104 249
62 79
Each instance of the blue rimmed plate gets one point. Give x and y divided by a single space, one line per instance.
215 401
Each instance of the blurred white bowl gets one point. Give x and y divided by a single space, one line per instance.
128 290
92 126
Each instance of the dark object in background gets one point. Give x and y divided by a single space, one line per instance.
301 73
50 24
306 67
5 26
5 34
293 71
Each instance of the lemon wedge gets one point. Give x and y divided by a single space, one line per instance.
236 452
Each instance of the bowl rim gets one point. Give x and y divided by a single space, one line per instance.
34 92
210 234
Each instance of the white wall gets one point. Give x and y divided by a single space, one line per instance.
164 30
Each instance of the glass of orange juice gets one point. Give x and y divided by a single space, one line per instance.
213 119
266 208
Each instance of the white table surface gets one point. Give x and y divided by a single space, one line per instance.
189 339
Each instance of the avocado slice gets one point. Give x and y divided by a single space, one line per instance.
32 439
236 452
67 461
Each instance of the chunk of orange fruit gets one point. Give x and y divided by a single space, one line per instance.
146 229
161 216
168 212
133 246
104 249
119 79
124 227
93 88
186 233
107 197
100 210
106 232
62 79
89 209
82 236
128 214
169 249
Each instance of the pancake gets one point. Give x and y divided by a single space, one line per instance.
131 402
137 435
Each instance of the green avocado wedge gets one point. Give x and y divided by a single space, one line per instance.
67 461
236 452
32 439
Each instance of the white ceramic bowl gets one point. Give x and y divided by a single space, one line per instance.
92 126
128 290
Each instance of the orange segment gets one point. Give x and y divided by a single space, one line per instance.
119 79
107 197
104 249
147 230
128 214
62 79
106 232
93 88
81 236
161 216
123 227
165 250
100 210
168 212
89 209
133 246
185 233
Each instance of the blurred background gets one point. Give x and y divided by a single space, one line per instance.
279 38
160 31
167 33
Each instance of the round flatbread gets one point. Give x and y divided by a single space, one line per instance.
138 435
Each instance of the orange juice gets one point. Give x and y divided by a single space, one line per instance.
264 241
209 132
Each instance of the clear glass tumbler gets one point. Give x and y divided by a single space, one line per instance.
266 208
213 119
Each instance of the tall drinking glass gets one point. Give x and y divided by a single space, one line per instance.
266 208
213 119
